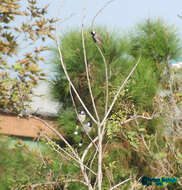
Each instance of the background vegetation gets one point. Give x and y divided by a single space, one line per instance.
144 128
136 139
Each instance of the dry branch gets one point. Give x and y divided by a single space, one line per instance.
99 11
68 78
116 186
86 67
119 91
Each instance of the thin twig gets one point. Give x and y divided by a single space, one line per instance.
107 173
99 11
56 182
67 18
73 158
77 158
99 172
79 98
73 101
146 145
100 132
57 133
136 117
107 82
40 152
67 156
68 78
119 91
86 67
87 149
93 159
74 105
114 187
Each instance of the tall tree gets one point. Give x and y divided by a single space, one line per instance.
132 122
20 55
118 63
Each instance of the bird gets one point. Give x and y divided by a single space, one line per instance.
78 124
81 119
86 128
96 38
76 130
80 143
81 116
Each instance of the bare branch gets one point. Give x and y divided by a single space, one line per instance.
100 135
58 182
77 158
93 159
116 186
40 152
99 11
87 149
67 156
74 105
136 117
67 18
57 133
72 157
99 172
86 66
67 76
119 91
107 82
143 139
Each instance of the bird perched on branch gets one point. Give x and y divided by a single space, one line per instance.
81 116
86 128
96 38
77 126
81 119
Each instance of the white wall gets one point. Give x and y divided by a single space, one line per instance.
42 103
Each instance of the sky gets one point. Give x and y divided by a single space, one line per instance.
120 14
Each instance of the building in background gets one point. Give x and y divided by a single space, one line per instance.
42 102
27 129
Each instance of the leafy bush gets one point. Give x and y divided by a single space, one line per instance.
20 167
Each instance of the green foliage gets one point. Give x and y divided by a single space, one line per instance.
21 167
135 142
114 123
67 123
72 186
144 84
141 140
72 50
155 40
115 52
